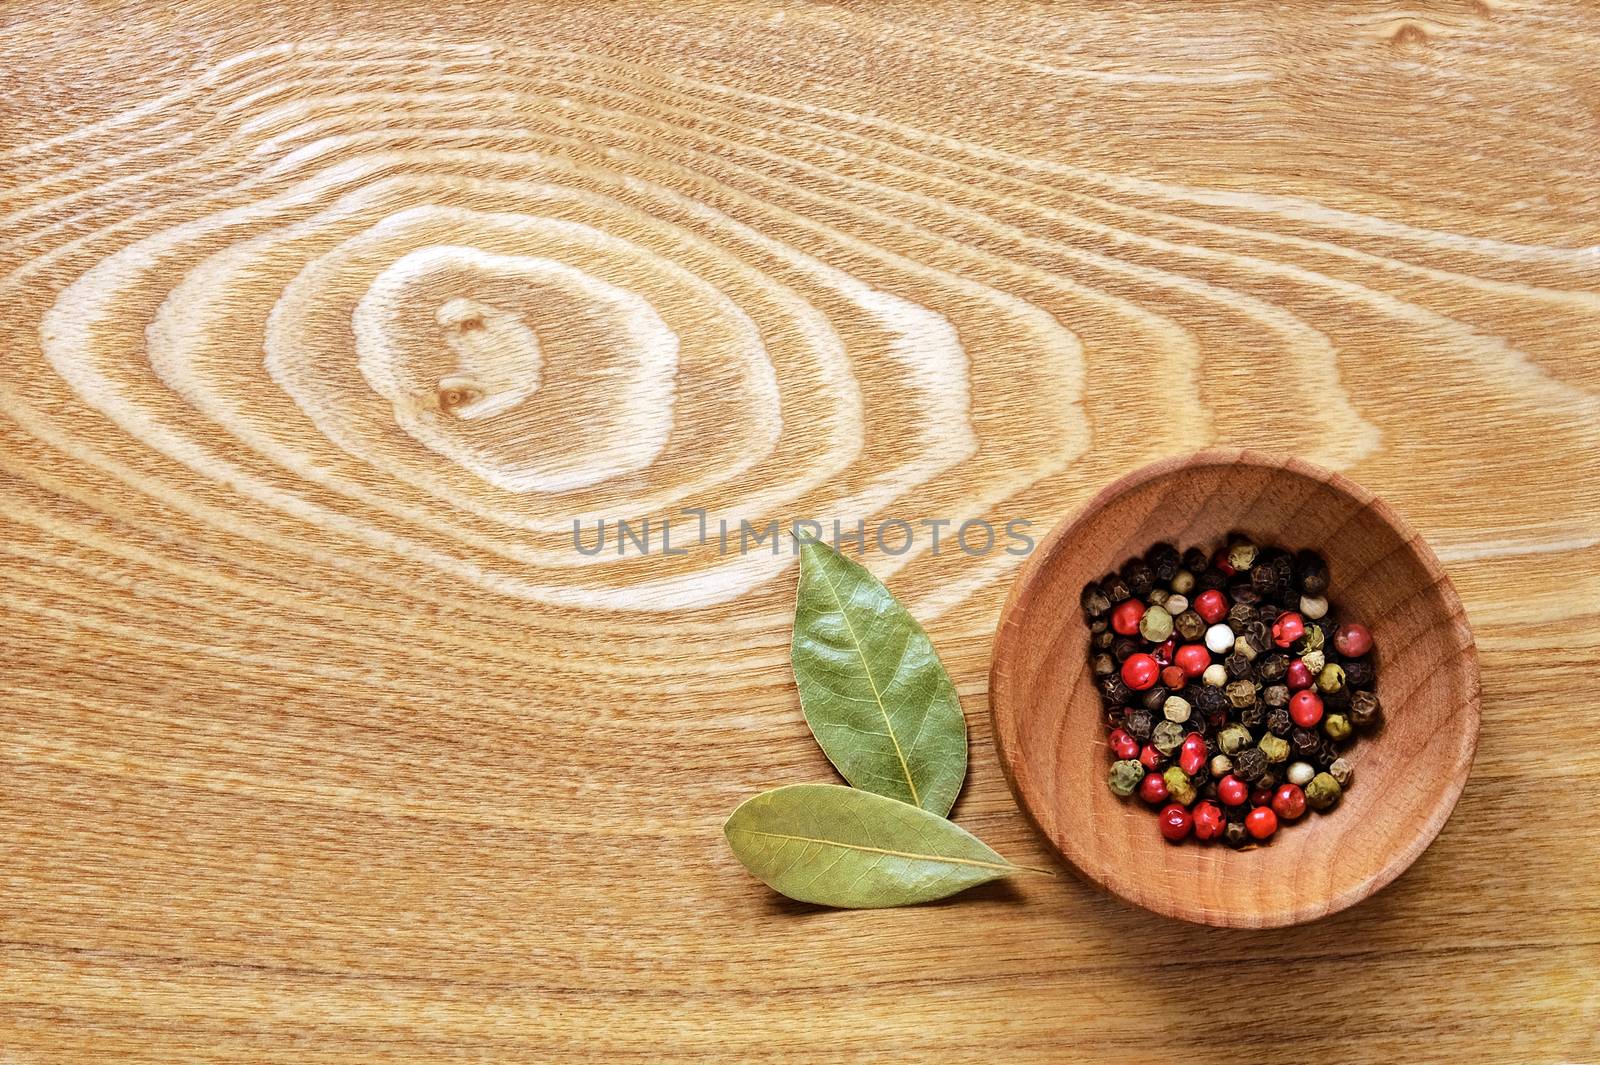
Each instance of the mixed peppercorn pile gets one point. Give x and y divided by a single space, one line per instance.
1231 689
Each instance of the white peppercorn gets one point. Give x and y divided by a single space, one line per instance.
1300 773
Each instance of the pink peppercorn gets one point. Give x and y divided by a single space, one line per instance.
1126 617
1298 676
1208 821
1150 757
1288 628
1192 755
1176 822
1305 709
1261 822
1211 605
1192 658
1140 672
1153 789
1352 640
1289 802
1122 743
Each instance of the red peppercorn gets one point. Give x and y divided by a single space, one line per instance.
1261 822
1232 790
1208 821
1163 653
1290 802
1352 640
1305 709
1140 672
1176 822
1260 797
1288 628
1153 789
1172 676
1192 658
1211 605
1126 617
1192 755
1297 676
1125 745
1150 758
1221 561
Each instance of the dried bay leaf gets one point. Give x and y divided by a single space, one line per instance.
839 846
873 690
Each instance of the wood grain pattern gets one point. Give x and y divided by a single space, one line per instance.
321 322
1049 721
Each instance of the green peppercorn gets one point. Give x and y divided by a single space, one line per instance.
1190 625
1241 555
1337 726
1276 748
1275 695
1241 693
1234 834
1125 776
1167 736
1104 665
1175 604
1331 679
1322 792
1315 661
1183 582
1156 625
1221 765
1234 739
1313 640
1176 708
1158 597
1341 771
1365 708
1179 786
1250 764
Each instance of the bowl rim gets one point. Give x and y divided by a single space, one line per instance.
1398 861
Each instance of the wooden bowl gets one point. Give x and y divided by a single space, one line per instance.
1408 773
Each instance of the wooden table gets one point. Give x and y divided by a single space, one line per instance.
320 742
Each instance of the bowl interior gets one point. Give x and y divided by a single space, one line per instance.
1407 774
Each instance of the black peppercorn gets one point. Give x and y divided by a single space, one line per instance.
1259 636
1305 744
1095 602
1140 723
1272 668
1279 723
1153 699
1209 580
1164 561
1115 587
1267 613
1358 673
1126 646
1239 591
1240 693
1210 699
1140 577
1099 625
1275 695
1250 764
1313 572
1240 615
1253 716
1237 665
1114 690
1103 664
1365 709
1102 641
1195 560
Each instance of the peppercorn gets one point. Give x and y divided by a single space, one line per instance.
1305 744
1241 591
1289 802
1163 651
1268 613
1156 625
1140 672
1296 675
1241 554
1337 726
1241 646
1210 699
1157 597
1175 823
1258 634
1237 666
1126 616
1365 708
1272 668
1183 582
1313 572
1249 764
1235 835
1176 708
1314 607
1221 765
1126 647
1240 615
1153 788
1195 559
1232 791
1260 793
1179 787
1140 577
1190 626
1172 677
1276 748
1315 638
1192 658
1139 722
1322 792
1151 758
1125 777
1113 691
1275 695
1192 755
1094 600
1175 604
1208 821
1216 675
1167 736
1352 640
1279 723
1103 665
1331 679
1300 773
1254 715
1287 629
1261 822
1234 739
1358 673
1241 693
1341 771
1152 699
1211 605
1269 780
1314 662
1101 641
1163 560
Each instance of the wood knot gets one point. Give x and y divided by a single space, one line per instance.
458 392
1410 33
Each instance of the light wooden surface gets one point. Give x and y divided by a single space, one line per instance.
1049 720
318 742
